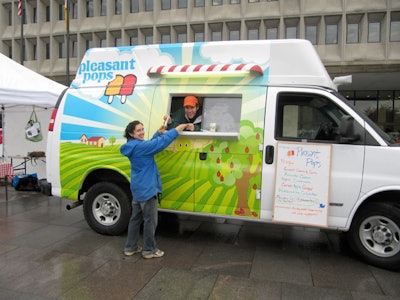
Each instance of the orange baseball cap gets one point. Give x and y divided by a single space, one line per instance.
190 101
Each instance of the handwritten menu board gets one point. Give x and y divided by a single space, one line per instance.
302 183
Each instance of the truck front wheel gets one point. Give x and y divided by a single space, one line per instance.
375 235
107 208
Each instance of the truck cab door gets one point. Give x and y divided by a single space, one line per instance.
313 116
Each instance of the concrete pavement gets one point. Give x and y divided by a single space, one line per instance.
47 252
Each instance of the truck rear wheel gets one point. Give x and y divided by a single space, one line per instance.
107 208
375 235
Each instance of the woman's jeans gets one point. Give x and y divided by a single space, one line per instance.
147 212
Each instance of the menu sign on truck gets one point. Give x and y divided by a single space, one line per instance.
302 183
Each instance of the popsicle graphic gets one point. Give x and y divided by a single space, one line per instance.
127 87
113 88
120 86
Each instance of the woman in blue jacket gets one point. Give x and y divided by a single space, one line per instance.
145 185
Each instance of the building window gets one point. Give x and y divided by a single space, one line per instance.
148 40
216 2
89 8
374 27
47 47
233 31
48 13
352 34
252 34
199 3
272 33
216 31
234 2
34 52
62 50
312 33
331 34
23 52
199 36
291 25
61 14
148 36
216 36
234 35
182 4
74 7
34 15
133 36
291 32
74 49
395 31
166 4
10 17
133 40
165 34
395 26
271 29
117 41
353 28
180 32
149 6
118 7
332 30
134 6
103 8
165 39
253 31
89 44
198 32
182 37
374 32
312 29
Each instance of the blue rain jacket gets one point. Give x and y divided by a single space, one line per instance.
145 178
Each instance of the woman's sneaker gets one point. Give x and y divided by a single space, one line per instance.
130 253
158 253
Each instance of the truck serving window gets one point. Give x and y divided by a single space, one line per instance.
220 115
307 117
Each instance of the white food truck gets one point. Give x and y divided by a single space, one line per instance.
285 147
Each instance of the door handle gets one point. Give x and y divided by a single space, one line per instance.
269 154
203 155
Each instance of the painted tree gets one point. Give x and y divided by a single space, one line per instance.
238 165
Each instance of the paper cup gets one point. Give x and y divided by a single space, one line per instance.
213 127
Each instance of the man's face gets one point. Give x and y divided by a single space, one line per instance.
138 133
190 111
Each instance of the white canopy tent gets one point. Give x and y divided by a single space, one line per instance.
22 91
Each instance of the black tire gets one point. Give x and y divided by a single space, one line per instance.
374 235
107 208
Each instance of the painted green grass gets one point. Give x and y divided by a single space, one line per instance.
182 190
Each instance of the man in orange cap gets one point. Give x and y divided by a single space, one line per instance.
190 114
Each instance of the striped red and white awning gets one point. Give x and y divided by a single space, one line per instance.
198 69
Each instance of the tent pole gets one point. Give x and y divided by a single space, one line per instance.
4 136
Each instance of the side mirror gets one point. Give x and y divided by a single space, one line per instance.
346 130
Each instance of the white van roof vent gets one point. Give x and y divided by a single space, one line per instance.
199 70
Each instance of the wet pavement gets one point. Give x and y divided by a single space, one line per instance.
48 252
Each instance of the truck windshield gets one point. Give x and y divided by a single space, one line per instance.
388 139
